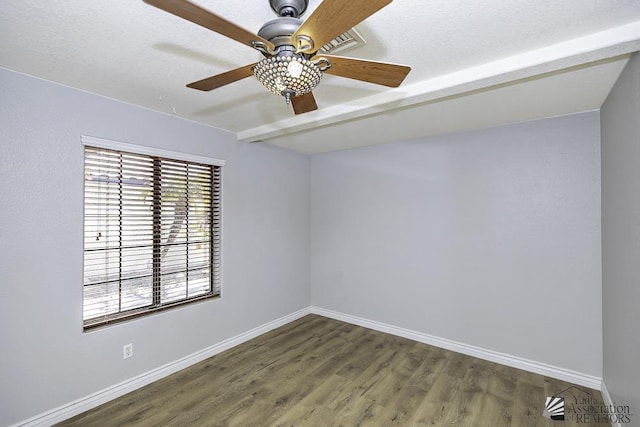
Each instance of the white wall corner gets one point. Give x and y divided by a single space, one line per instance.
608 401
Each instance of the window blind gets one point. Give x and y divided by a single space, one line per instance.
152 234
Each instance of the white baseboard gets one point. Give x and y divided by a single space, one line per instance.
89 402
608 401
481 353
96 399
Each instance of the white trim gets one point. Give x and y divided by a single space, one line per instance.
608 401
94 400
149 151
470 350
81 405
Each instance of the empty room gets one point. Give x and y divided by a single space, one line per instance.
319 213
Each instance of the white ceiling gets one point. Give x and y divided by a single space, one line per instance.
475 64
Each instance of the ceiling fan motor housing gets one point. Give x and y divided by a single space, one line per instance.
278 32
292 8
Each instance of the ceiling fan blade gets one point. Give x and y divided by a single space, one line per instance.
304 103
198 15
380 73
332 18
219 80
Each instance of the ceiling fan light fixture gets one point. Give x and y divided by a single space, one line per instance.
284 75
292 67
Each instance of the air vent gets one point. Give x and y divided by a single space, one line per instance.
345 41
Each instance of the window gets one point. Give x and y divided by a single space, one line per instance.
152 230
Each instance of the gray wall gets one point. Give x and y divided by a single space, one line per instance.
46 360
489 238
620 117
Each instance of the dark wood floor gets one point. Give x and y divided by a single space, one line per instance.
322 372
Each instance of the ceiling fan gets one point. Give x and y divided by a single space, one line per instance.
292 66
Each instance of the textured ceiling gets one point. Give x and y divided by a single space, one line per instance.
474 64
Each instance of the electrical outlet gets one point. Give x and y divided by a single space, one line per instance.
127 351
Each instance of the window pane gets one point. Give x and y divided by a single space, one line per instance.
101 266
100 300
199 282
137 292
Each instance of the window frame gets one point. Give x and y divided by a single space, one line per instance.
102 321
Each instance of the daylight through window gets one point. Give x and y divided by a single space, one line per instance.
152 234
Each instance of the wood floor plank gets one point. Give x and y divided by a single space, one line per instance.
435 403
317 371
527 396
495 408
404 404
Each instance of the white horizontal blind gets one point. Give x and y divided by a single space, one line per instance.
152 234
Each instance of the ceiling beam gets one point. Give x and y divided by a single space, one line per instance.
607 44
